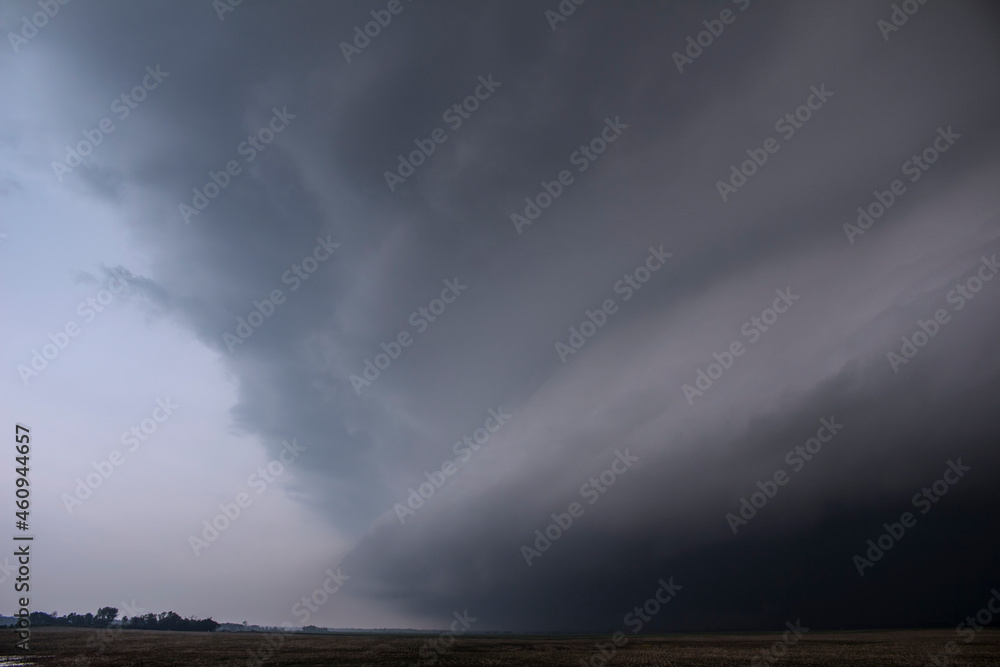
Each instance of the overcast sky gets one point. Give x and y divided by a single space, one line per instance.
676 189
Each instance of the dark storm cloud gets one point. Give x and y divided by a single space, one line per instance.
323 177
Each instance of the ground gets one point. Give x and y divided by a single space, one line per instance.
78 647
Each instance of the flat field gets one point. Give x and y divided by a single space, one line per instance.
77 647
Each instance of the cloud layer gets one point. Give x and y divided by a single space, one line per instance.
622 154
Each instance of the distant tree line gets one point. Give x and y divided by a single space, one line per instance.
105 616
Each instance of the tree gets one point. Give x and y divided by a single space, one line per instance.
105 616
41 618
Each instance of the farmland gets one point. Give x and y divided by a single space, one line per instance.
77 647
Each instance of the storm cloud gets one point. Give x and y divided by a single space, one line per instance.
702 252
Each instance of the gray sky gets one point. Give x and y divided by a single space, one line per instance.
308 135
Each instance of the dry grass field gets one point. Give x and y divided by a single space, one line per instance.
65 647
